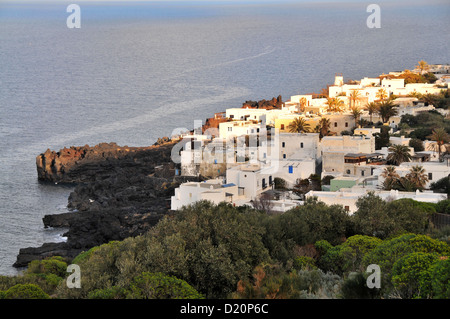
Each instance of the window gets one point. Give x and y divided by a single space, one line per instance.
284 155
346 124
291 169
301 145
230 129
335 124
347 208
362 173
348 171
430 176
282 126
283 144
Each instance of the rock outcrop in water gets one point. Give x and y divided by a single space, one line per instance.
85 163
120 192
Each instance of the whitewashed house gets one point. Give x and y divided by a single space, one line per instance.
336 148
347 197
212 190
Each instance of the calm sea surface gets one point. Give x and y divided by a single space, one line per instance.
135 72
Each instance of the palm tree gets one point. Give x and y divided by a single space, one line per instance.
323 127
381 94
390 177
440 137
372 108
398 154
417 176
334 104
356 113
355 96
299 125
404 184
428 99
386 109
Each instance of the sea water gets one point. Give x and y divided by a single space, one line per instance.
137 71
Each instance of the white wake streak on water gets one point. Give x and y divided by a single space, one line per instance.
266 51
61 140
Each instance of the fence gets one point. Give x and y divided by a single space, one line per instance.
440 220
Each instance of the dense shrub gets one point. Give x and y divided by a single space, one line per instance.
386 254
25 291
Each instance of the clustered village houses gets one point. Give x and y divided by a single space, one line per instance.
249 150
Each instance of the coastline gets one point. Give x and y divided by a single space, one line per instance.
117 193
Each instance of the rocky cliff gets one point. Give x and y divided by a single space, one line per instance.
85 163
120 192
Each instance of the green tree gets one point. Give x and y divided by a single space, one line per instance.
356 113
390 251
334 104
382 138
441 185
273 282
355 287
304 262
347 257
422 66
376 217
418 177
416 144
440 137
398 154
381 94
386 110
280 183
440 278
160 286
323 127
390 176
411 274
299 125
355 96
372 108
52 265
209 246
371 217
25 291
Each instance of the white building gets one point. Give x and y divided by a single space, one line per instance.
245 114
239 128
335 148
434 170
212 190
251 179
298 146
347 197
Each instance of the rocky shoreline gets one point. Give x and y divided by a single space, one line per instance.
120 192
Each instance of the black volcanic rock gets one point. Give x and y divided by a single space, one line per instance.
120 192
